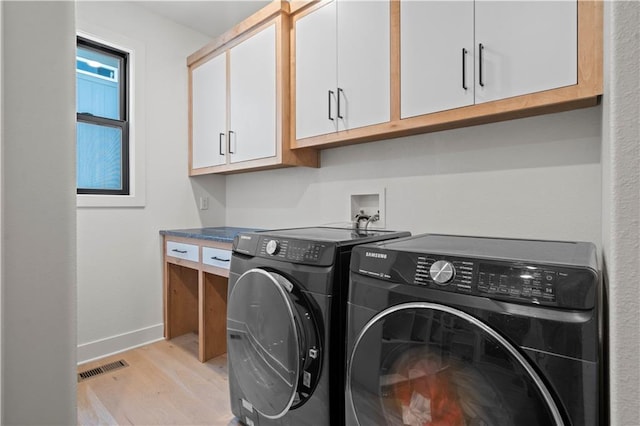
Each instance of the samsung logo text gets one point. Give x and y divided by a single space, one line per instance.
376 255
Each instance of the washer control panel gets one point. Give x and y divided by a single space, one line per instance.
298 251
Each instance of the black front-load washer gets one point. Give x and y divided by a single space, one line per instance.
474 331
286 315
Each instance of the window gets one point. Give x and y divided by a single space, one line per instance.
102 154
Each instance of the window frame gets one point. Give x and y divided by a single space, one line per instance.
122 123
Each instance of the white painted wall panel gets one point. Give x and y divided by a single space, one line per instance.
119 249
532 178
38 208
621 205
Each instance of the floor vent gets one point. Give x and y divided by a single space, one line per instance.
85 375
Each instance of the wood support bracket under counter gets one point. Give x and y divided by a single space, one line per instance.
195 292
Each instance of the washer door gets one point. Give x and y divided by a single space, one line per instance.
424 363
273 343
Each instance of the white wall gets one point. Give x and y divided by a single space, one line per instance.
621 205
38 224
119 249
533 178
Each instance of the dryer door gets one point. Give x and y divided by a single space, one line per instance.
274 344
424 363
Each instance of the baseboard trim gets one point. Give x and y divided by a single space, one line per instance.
97 349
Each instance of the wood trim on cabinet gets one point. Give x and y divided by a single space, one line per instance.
585 93
300 9
212 316
395 59
190 118
590 41
181 301
272 9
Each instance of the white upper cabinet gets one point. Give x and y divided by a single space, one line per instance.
252 97
436 56
364 70
342 67
460 53
209 113
524 47
240 98
316 73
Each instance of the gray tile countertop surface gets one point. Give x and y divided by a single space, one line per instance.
224 234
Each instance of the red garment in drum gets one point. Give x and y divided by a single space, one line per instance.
435 389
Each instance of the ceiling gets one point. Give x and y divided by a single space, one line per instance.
211 18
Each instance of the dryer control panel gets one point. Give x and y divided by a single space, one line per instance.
286 249
521 282
524 282
532 283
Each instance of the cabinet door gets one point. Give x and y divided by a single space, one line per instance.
252 97
209 113
527 47
315 73
363 63
436 64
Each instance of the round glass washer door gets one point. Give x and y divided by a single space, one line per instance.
271 330
421 363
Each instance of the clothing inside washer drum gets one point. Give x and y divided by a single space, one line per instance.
422 389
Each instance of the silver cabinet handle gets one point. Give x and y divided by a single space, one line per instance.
220 259
179 251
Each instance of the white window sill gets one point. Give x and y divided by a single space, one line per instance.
91 200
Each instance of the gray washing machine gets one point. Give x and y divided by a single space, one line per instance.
474 331
286 316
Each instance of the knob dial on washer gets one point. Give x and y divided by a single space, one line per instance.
272 247
442 272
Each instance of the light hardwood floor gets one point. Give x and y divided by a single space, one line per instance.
164 384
